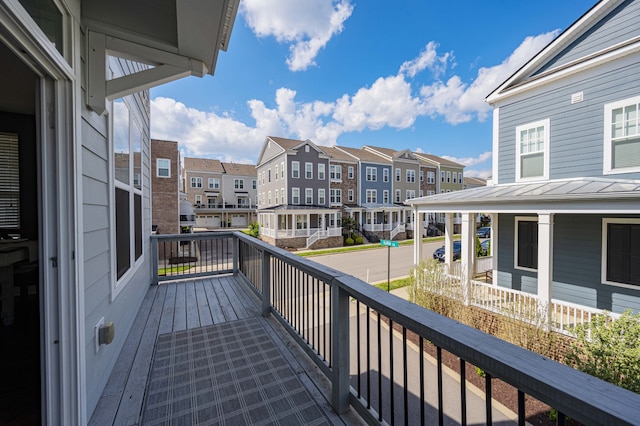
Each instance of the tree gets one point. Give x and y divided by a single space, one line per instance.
349 225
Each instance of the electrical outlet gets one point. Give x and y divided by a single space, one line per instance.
96 333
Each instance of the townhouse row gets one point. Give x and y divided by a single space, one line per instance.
304 190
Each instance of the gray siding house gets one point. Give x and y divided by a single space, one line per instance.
74 94
294 197
565 193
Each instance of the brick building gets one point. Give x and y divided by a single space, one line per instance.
165 183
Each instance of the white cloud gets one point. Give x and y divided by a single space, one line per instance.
306 25
483 173
428 58
459 102
469 161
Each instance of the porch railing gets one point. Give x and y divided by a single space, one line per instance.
395 231
359 336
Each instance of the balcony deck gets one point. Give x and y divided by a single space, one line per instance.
200 350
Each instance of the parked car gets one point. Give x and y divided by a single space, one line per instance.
484 232
457 251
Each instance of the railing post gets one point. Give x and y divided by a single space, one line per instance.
154 261
339 349
235 255
266 283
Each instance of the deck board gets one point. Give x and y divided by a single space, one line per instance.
193 317
203 305
225 304
180 312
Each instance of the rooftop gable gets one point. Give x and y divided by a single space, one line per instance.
202 164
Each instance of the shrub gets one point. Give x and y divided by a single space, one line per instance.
608 349
254 229
359 240
349 241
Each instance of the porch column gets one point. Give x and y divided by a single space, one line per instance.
417 241
308 224
493 247
467 255
448 241
545 262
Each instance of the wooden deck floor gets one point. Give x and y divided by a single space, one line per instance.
168 308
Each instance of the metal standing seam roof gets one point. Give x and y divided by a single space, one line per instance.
566 191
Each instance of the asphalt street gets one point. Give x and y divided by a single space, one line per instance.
371 265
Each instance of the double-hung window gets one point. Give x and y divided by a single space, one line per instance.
398 172
385 196
398 192
350 172
622 136
411 193
442 176
385 175
238 183
421 175
277 174
372 174
411 176
372 196
532 159
335 173
321 197
196 182
295 169
621 252
295 196
127 162
214 183
335 196
321 171
431 177
308 199
526 243
163 167
308 170
350 194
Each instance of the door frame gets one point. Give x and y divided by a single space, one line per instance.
63 386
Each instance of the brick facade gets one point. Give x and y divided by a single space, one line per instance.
164 190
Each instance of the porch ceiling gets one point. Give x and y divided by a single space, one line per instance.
581 195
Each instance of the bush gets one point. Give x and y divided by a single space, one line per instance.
348 241
359 240
609 349
254 229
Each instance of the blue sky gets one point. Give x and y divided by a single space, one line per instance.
405 74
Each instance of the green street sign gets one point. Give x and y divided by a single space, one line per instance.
388 243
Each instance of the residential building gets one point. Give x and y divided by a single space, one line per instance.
473 182
75 97
376 212
428 186
343 179
165 185
566 170
239 194
294 195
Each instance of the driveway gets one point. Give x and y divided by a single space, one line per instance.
371 265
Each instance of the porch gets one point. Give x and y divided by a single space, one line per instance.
346 344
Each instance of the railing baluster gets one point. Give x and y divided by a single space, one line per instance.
379 369
422 381
487 390
358 346
463 392
405 374
368 319
522 416
440 395
392 398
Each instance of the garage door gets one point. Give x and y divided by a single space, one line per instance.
208 221
238 220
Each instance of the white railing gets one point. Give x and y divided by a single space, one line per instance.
322 234
395 231
483 264
313 238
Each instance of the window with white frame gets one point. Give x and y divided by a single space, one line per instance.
431 177
306 148
622 136
321 197
350 194
238 183
269 198
459 177
421 175
277 193
350 171
213 183
372 196
295 169
385 196
621 251
253 184
335 196
127 163
372 174
421 193
531 159
277 172
411 176
295 196
448 177
385 175
308 196
198 200
398 172
455 177
526 243
321 171
163 167
410 194
308 170
196 182
269 175
442 176
335 172
282 170
430 192
398 195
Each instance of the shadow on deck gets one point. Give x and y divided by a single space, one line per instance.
200 352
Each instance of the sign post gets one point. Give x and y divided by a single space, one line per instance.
388 244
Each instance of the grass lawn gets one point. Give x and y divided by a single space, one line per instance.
173 269
399 283
361 247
